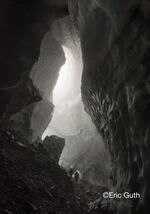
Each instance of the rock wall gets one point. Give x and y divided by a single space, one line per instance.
44 75
31 179
23 25
116 90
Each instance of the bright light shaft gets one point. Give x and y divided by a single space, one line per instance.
65 80
66 98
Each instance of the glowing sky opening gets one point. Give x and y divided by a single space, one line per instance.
69 119
66 99
64 84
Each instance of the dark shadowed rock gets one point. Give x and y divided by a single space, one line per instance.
18 112
116 91
54 146
31 180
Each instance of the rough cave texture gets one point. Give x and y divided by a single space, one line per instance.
116 90
31 180
18 112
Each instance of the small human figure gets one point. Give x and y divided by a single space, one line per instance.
76 176
71 171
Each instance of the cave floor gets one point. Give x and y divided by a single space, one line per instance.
90 198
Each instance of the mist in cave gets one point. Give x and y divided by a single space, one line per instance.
83 143
66 99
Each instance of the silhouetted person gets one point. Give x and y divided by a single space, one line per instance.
71 171
76 176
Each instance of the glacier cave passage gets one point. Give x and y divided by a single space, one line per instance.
75 94
83 143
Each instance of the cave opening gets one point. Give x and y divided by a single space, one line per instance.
84 147
65 95
58 76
